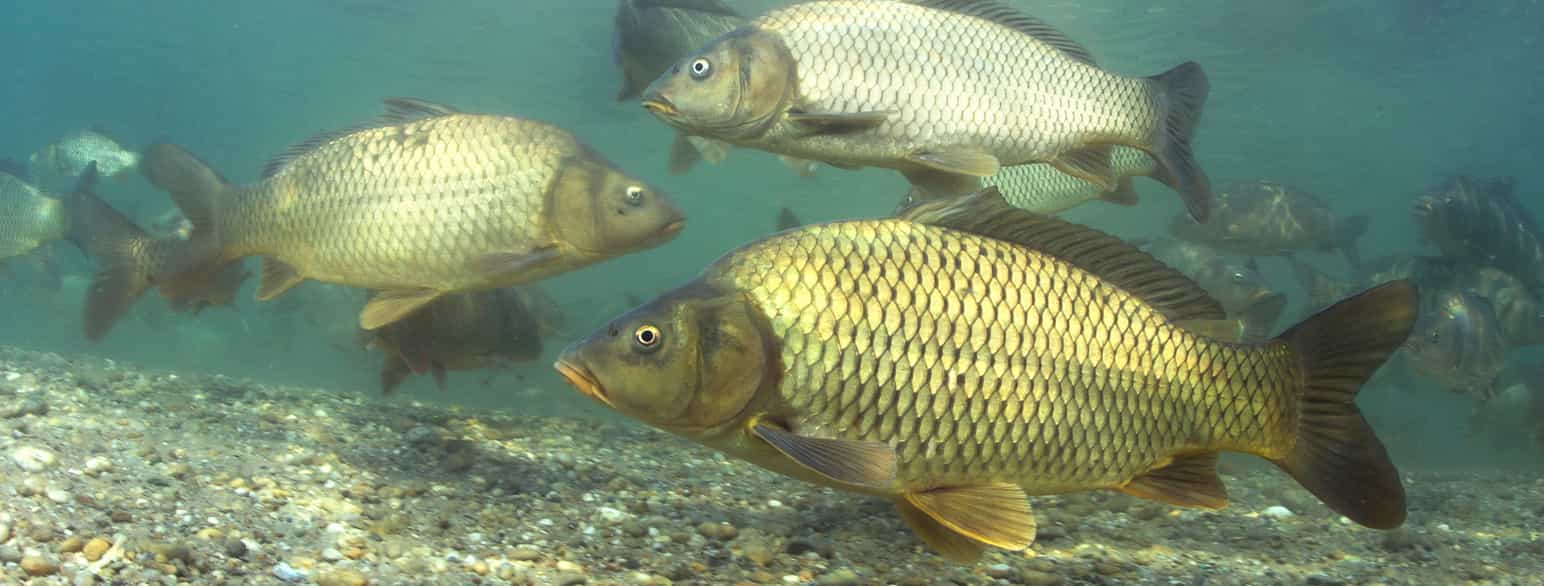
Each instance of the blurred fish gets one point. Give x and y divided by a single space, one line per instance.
171 224
786 220
944 91
15 169
29 218
1517 310
1236 283
423 202
462 331
1263 218
1483 223
1458 344
68 156
1042 189
968 353
127 255
1320 288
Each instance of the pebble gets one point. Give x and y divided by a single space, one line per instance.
840 577
1276 512
57 495
610 516
5 532
570 579
332 554
32 459
524 554
1039 578
36 564
30 406
342 577
719 531
568 566
95 548
1000 571
71 544
96 465
285 573
9 554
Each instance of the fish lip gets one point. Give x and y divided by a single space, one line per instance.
581 378
659 105
673 228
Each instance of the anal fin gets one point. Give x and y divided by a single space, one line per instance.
858 463
1124 194
996 514
948 543
1090 163
387 307
1188 481
276 277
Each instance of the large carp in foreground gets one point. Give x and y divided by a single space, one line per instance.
944 91
968 354
423 202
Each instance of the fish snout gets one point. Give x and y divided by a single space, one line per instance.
659 105
581 379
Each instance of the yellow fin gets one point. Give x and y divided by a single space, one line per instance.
959 161
1224 330
859 463
276 278
1188 481
387 307
945 541
995 514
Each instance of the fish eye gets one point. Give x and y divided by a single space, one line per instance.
634 195
1238 277
701 68
647 337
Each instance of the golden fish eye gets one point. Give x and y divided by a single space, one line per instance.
701 68
647 336
634 194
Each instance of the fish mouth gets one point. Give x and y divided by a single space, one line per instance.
673 228
580 378
659 105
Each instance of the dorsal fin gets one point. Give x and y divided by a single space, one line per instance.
1125 266
398 110
1010 17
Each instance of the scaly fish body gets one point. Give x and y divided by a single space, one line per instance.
28 218
1042 189
1458 343
464 331
943 91
1483 223
1236 283
427 202
1265 218
956 359
69 156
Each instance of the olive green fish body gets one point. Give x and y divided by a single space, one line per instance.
980 361
28 217
410 205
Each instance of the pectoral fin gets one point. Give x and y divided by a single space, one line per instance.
389 306
959 161
682 155
500 263
859 463
994 514
838 122
1188 481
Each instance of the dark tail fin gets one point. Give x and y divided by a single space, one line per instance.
198 191
1336 456
113 240
1183 92
1347 234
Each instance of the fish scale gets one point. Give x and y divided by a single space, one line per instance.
1075 378
953 97
28 218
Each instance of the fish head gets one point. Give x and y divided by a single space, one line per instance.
602 212
1458 340
732 88
691 362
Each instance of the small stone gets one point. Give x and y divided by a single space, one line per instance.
71 544
610 516
285 573
235 548
96 465
341 577
719 531
1000 571
57 495
1276 512
570 579
95 548
1039 578
840 577
5 532
41 533
9 554
332 554
1050 533
35 564
32 459
209 534
121 517
568 566
524 554
29 406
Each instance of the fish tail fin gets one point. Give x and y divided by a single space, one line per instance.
1182 91
112 239
1335 455
1346 236
198 191
1124 194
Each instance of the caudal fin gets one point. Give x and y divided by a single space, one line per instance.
1182 91
198 191
1336 456
113 240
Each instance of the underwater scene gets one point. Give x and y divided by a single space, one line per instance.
828 292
